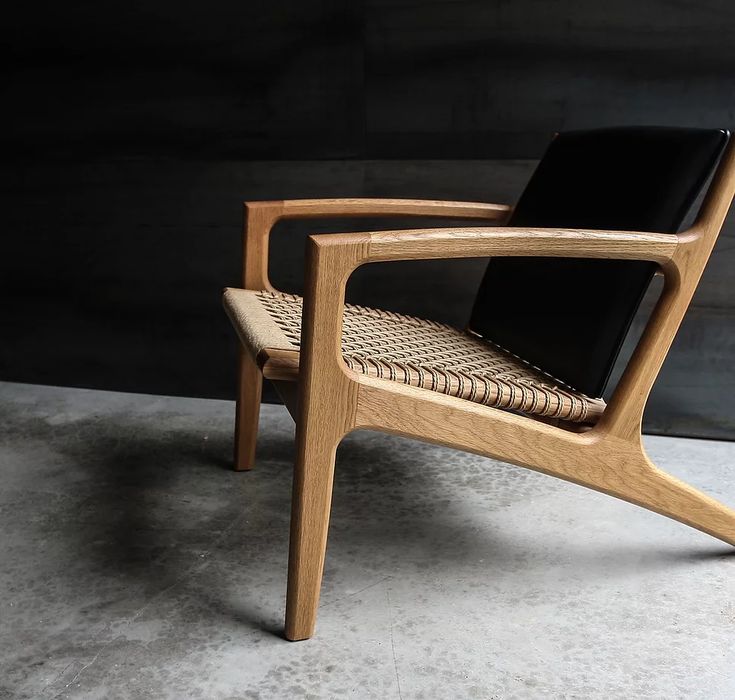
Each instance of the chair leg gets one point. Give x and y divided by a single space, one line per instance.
310 509
631 476
662 493
247 410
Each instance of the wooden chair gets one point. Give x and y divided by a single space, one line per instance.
598 218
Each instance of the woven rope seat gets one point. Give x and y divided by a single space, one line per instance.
413 351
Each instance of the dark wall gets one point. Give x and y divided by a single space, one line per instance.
135 130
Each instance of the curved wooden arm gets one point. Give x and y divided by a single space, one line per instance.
350 250
312 208
260 217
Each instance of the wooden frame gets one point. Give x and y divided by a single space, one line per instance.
331 400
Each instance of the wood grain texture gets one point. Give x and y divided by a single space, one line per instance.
326 410
279 364
351 206
247 411
447 243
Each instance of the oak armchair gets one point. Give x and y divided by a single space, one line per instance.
523 382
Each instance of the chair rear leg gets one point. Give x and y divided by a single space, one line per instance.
631 476
247 410
665 494
310 510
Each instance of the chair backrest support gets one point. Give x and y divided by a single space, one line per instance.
570 316
624 413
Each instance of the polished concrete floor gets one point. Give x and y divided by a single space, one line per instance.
135 564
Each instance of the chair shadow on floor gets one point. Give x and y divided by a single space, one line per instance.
177 525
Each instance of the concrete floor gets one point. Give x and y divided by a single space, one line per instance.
134 564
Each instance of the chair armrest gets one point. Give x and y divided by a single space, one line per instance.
260 217
314 208
331 258
422 244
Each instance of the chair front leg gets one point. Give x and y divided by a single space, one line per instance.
310 509
247 410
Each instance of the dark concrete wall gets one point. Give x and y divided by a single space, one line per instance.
135 131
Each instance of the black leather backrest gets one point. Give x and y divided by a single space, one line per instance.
570 316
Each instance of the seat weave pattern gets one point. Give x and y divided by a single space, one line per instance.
440 358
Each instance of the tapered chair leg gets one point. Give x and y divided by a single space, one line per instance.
662 493
311 506
247 411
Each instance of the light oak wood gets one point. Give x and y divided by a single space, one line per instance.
247 410
279 364
423 244
332 400
326 410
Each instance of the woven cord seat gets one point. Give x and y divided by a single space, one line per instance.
416 352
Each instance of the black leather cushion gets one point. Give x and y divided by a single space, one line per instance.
570 316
